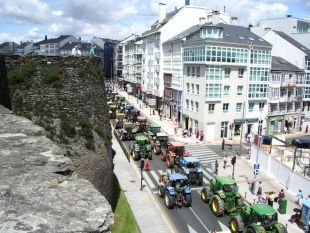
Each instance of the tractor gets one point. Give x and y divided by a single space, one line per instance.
190 167
175 189
256 218
223 196
128 108
120 102
159 143
141 148
119 121
152 130
174 152
133 115
141 124
127 132
112 110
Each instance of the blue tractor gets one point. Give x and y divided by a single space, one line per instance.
175 189
190 167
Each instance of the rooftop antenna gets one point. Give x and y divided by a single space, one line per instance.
224 9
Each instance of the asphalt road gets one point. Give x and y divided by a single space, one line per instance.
198 217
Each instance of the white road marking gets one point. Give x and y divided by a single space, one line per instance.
148 180
155 176
204 226
190 229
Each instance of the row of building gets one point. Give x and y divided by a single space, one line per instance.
208 73
62 46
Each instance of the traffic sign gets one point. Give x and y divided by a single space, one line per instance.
152 102
256 166
256 172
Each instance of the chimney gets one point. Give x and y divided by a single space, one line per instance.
202 20
79 38
215 17
162 11
45 37
234 21
187 2
288 16
250 26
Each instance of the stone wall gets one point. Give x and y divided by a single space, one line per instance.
65 95
39 189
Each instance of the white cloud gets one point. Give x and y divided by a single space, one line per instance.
307 3
30 11
4 37
57 13
34 34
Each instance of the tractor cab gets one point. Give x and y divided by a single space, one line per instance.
128 108
119 121
112 110
152 130
141 124
177 149
190 166
225 183
141 148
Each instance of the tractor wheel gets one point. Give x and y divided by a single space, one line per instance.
236 224
200 179
161 191
217 206
187 200
163 156
135 156
204 195
169 201
176 168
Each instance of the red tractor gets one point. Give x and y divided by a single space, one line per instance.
174 152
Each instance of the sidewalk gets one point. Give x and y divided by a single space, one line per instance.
147 212
243 169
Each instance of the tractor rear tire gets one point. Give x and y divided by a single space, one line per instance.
170 161
200 179
204 195
239 201
161 191
251 230
187 200
122 137
150 157
217 206
135 156
169 201
236 224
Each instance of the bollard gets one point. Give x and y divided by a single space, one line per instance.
244 194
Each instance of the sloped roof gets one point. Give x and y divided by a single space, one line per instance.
231 34
156 26
82 46
5 44
279 64
53 40
294 42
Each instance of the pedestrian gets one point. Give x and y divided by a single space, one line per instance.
92 50
147 165
260 187
281 195
299 197
260 198
74 51
197 134
225 161
216 167
201 135
270 198
307 128
248 138
285 129
159 112
153 111
175 130
223 144
190 131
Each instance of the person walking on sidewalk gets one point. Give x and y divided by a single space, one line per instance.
299 197
281 195
201 135
190 131
270 198
216 167
147 165
175 130
225 161
260 187
223 144
197 134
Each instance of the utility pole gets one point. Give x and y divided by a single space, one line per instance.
241 127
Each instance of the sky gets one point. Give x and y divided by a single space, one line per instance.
22 20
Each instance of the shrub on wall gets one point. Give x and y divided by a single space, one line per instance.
52 75
67 127
22 74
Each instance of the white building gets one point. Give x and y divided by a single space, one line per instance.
225 76
167 26
285 98
298 29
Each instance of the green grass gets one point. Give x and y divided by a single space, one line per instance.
124 220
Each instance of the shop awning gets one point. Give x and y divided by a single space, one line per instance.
248 120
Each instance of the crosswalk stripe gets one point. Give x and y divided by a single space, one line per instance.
155 176
207 175
148 180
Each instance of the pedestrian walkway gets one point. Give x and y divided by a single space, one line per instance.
202 152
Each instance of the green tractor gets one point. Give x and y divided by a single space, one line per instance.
152 130
257 218
141 148
120 102
223 196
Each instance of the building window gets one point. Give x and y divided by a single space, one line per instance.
224 129
193 71
223 54
193 89
251 107
239 107
261 106
261 57
308 64
211 108
187 104
198 71
194 54
187 87
192 105
213 73
213 91
258 91
240 72
197 106
51 46
188 71
197 89
227 72
226 90
211 32
259 74
225 107
239 90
